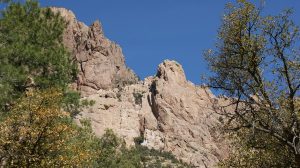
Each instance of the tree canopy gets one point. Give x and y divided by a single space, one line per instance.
257 63
37 133
31 51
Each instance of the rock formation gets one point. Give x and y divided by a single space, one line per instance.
100 62
169 112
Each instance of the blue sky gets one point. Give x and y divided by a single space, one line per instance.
152 31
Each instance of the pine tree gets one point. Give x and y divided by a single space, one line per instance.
31 51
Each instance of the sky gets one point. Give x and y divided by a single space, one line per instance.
150 31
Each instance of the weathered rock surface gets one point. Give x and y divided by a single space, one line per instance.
185 117
169 112
100 61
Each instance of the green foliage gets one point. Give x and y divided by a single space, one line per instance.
257 62
115 154
86 103
71 102
138 98
157 159
31 51
139 140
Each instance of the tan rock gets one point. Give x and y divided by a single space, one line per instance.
185 117
116 109
174 115
101 63
171 113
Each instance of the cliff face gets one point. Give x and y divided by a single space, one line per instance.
169 112
100 61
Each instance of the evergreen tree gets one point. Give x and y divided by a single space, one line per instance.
31 51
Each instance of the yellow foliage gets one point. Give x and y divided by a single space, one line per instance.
37 133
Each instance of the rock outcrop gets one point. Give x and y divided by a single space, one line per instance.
169 112
187 124
100 61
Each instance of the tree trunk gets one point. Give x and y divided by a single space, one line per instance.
297 160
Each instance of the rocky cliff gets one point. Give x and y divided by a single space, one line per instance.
100 61
167 111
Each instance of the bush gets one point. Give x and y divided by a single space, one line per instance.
139 140
115 154
138 98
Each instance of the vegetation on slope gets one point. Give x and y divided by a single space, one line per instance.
37 133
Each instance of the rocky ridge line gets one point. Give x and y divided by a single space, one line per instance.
101 63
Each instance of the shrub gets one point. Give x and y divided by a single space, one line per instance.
138 98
